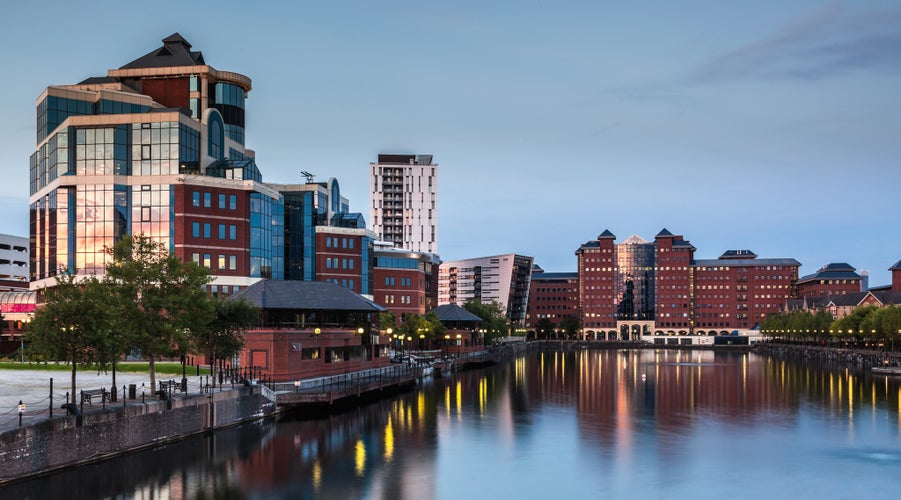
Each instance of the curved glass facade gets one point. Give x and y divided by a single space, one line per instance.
228 98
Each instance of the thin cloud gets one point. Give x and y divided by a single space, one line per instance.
824 43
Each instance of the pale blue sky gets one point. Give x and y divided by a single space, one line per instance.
772 126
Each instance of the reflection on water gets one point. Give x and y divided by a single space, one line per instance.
645 423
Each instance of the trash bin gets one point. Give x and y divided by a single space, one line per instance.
132 391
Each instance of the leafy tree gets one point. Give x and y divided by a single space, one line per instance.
223 337
544 327
494 318
160 299
850 325
387 320
571 326
885 322
428 325
74 324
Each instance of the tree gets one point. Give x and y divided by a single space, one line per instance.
387 320
571 326
850 325
74 324
544 327
494 318
160 299
427 326
223 337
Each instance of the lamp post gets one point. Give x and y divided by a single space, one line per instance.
447 344
27 320
459 344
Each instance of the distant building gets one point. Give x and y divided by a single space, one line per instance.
404 196
831 279
552 296
404 282
633 289
502 278
13 262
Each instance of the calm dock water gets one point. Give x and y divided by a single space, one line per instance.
595 424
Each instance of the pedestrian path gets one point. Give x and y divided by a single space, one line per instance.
32 388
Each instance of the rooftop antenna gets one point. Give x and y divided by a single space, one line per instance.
308 175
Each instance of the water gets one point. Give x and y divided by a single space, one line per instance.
592 424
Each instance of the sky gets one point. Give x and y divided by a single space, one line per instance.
771 126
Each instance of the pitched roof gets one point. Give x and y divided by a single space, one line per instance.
745 262
306 296
453 312
833 271
664 232
896 266
606 234
176 51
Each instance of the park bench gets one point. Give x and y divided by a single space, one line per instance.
87 396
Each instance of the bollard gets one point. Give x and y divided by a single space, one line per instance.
142 393
124 399
21 411
51 397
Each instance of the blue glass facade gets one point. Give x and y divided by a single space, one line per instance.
299 243
266 219
229 100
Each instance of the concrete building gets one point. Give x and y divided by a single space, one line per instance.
13 262
404 197
502 278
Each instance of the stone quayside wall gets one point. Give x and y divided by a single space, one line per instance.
56 443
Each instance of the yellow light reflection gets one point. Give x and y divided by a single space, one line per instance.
447 401
389 440
317 475
420 407
360 458
483 391
459 400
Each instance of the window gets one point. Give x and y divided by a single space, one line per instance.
232 232
195 199
350 243
145 214
221 261
207 200
206 230
328 263
207 258
232 262
222 201
350 263
195 229
221 231
195 258
328 242
232 202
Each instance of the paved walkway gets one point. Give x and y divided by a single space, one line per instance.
32 387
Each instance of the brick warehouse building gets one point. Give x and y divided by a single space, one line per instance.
636 288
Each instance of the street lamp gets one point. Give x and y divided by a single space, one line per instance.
27 320
458 344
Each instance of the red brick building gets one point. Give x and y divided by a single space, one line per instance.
738 290
404 282
311 329
554 296
342 257
831 279
673 306
596 265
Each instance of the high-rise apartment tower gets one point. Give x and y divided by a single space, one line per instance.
404 198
